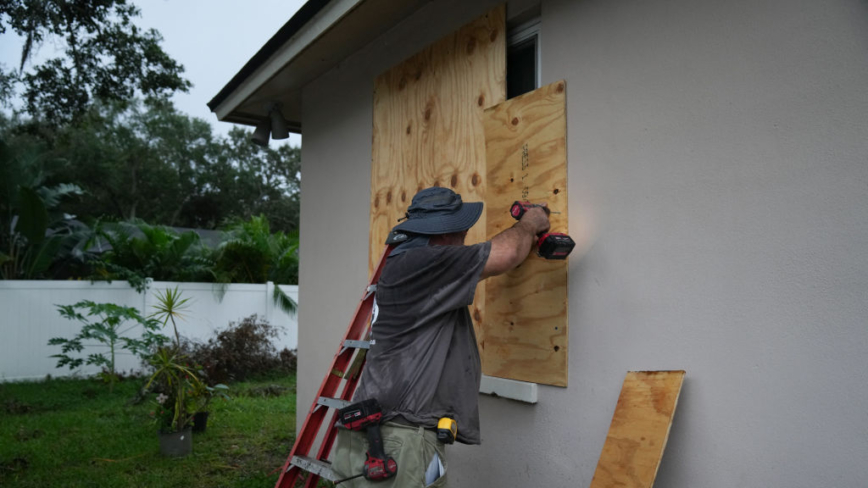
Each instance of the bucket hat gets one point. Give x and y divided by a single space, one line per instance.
439 210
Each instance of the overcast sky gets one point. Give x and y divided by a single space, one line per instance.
213 39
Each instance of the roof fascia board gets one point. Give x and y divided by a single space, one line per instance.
312 30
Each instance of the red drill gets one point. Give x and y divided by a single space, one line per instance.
551 245
367 415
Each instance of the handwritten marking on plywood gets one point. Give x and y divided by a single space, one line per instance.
526 309
428 127
639 430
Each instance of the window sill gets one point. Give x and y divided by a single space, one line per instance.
514 390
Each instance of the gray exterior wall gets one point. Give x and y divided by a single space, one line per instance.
718 169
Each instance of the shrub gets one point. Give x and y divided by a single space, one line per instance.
106 324
242 350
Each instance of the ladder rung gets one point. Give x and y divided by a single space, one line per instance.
358 344
332 402
319 468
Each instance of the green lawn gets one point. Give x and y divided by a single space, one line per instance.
75 433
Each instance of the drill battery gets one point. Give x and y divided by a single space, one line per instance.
360 415
555 245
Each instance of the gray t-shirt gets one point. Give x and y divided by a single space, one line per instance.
425 364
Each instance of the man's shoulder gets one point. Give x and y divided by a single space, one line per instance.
439 253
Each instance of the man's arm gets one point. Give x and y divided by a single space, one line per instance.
512 246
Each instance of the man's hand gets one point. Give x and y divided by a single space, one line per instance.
537 220
512 246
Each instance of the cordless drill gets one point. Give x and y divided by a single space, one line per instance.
367 415
550 245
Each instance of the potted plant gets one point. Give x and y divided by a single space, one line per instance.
175 382
203 394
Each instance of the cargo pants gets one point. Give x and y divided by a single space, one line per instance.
413 448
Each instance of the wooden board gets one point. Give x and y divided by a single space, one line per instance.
639 430
526 309
428 127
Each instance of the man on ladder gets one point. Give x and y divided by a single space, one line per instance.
423 364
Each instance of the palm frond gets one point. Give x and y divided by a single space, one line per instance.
284 301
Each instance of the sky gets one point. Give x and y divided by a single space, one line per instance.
213 39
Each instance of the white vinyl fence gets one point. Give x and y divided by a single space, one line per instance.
29 318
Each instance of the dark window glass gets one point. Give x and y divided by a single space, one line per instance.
521 67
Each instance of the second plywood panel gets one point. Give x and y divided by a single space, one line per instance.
526 309
639 430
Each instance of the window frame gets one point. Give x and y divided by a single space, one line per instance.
523 32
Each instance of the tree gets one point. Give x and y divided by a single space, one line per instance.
148 161
137 251
253 254
266 181
34 233
106 56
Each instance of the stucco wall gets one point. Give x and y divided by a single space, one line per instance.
718 168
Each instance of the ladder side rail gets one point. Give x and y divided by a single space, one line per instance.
328 441
316 414
358 329
329 387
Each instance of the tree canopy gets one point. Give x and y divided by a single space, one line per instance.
100 152
105 56
148 161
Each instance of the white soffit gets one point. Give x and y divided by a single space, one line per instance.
336 31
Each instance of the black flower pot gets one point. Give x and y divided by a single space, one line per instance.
200 421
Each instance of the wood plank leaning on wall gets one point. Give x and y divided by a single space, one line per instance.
639 430
428 127
526 321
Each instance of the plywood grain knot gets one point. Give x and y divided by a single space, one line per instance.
471 45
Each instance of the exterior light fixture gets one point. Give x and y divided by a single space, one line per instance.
279 130
274 124
260 135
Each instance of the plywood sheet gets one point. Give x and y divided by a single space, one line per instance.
639 430
526 309
428 126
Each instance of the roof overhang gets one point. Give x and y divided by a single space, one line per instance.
319 36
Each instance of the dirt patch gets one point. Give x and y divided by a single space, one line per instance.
14 407
24 435
267 391
16 465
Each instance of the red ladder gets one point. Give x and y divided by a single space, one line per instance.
355 339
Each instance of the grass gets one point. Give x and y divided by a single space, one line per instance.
73 432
